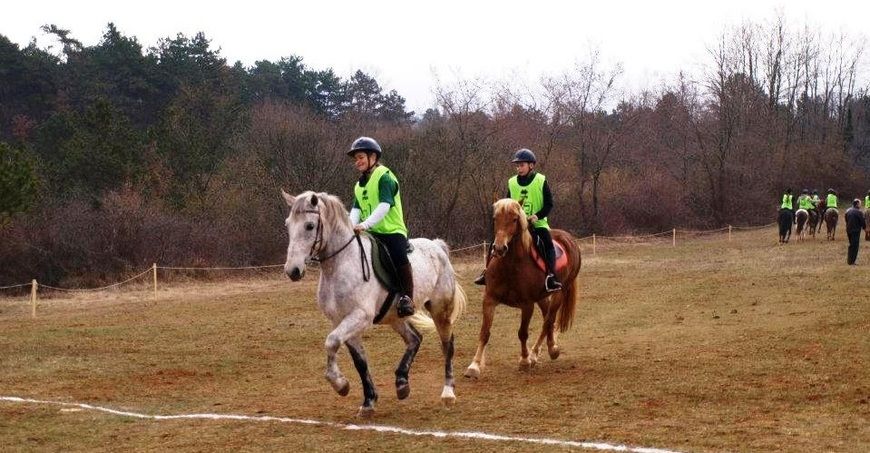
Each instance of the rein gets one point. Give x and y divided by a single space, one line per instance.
317 247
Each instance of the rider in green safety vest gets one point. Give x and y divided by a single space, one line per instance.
804 201
867 200
816 198
377 208
831 201
787 200
532 191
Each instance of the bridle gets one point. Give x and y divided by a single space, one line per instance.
317 247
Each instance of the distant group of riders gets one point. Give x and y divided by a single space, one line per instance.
812 210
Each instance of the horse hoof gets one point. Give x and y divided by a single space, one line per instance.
341 386
365 412
403 391
554 353
525 364
473 371
448 398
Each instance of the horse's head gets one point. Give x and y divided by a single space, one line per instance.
509 221
312 220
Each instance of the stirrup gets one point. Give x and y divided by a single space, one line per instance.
404 307
551 284
481 279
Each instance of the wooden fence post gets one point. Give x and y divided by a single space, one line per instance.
729 233
33 286
154 272
593 243
675 237
484 254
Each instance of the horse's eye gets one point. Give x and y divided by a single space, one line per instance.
309 226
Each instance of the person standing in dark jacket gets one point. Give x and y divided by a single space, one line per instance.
854 225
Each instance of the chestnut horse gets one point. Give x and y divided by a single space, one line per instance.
513 279
814 221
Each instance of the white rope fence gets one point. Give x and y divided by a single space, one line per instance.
35 286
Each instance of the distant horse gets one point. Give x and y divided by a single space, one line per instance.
821 207
814 221
867 224
831 217
319 229
514 279
801 218
785 220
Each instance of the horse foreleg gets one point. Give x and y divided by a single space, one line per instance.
549 315
479 360
523 335
349 327
412 343
370 395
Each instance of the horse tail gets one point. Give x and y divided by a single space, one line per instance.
422 321
443 245
460 300
568 295
568 306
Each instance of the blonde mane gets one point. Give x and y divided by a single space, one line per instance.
507 206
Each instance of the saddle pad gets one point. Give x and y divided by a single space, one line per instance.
561 257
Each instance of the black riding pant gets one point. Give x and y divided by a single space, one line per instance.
544 241
397 244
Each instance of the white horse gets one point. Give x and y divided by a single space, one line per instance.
319 229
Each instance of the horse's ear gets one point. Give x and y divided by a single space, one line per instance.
288 198
314 199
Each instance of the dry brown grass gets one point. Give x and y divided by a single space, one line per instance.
710 346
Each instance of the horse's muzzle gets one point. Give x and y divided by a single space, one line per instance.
499 250
295 273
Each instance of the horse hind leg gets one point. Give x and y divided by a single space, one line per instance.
444 320
412 338
370 394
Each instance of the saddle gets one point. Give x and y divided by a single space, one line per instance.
385 269
561 257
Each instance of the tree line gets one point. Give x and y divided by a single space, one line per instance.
114 156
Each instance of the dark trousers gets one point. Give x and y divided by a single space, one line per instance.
397 244
544 242
854 242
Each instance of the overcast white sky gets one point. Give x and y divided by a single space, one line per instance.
405 43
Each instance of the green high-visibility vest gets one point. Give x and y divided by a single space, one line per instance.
867 202
804 202
786 202
531 197
367 197
831 201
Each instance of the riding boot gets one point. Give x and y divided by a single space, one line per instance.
405 306
551 283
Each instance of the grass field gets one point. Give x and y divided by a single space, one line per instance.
713 345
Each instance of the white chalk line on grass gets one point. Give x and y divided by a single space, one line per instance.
349 427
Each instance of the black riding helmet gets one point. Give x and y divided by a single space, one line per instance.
369 145
524 155
805 191
832 191
788 190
